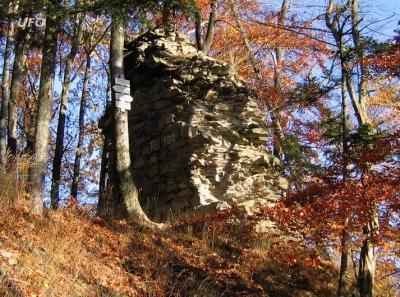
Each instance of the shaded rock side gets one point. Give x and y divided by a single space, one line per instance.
197 134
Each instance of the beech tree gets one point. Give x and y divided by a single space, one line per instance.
128 189
357 91
45 98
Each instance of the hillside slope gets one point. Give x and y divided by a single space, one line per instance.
70 253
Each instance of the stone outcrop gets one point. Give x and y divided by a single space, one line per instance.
197 134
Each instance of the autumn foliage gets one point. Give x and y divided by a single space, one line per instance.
311 76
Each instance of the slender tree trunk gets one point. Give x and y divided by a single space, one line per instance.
344 261
367 261
103 209
30 113
337 31
279 52
198 35
5 88
59 150
344 258
367 264
276 125
359 47
82 110
210 28
101 205
358 105
16 87
205 45
127 186
345 236
29 127
42 132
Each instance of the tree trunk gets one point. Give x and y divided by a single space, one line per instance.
276 125
42 132
205 45
5 87
198 35
279 52
111 203
344 261
16 87
101 205
359 48
59 150
367 261
345 236
357 103
210 28
29 128
338 34
127 187
82 110
30 112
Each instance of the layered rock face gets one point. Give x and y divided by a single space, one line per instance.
197 134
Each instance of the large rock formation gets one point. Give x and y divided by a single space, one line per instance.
197 134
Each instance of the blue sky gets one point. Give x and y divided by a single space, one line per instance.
381 9
372 11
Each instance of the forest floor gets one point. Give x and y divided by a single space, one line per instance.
72 253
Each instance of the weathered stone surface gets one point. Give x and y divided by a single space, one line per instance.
197 134
11 257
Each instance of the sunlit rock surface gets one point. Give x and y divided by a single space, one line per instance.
197 134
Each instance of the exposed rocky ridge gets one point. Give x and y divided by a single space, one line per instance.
197 134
